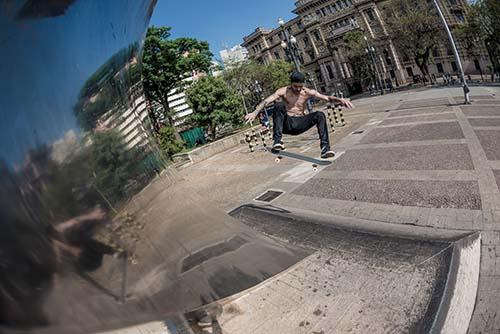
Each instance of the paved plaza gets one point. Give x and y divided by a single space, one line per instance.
419 163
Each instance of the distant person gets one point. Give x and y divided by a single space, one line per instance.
289 116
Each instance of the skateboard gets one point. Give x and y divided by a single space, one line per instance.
315 162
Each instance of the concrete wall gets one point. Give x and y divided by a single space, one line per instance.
207 151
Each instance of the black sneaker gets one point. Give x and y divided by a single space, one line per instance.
326 153
278 147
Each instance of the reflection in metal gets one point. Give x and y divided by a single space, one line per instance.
92 234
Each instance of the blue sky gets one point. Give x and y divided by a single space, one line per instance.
220 22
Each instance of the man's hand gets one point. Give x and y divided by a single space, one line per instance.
343 102
250 117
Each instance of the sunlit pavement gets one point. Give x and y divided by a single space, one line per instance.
420 160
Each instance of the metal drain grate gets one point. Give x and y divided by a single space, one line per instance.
269 196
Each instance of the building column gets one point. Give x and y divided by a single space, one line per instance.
312 42
379 18
367 24
324 73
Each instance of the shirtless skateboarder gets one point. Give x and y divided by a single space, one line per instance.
289 116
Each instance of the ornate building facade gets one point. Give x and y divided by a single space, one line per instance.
319 29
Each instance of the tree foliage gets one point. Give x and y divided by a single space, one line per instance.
482 29
355 47
168 142
167 62
253 81
112 164
214 104
415 29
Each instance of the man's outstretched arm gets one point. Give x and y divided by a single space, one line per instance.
344 102
279 93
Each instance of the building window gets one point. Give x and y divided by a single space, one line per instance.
299 25
319 77
277 55
409 70
333 8
316 35
306 41
311 55
460 16
328 10
439 67
387 58
369 13
435 52
318 12
323 90
330 71
454 66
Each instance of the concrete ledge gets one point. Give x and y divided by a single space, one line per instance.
209 150
455 291
459 296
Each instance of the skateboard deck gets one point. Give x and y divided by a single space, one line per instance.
315 162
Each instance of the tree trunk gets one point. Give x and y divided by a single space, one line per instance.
481 71
170 118
214 129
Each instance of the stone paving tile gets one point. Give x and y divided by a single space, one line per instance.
474 98
428 157
486 102
437 194
416 119
424 103
471 111
490 140
419 111
433 131
484 121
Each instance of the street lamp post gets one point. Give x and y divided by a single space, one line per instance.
371 51
455 51
289 45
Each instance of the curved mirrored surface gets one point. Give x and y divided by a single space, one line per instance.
91 238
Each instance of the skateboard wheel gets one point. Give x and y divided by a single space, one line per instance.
277 160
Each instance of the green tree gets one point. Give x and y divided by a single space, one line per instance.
112 164
253 81
470 33
355 47
482 29
168 142
166 63
276 75
214 104
415 29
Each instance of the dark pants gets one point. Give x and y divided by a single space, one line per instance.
299 124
